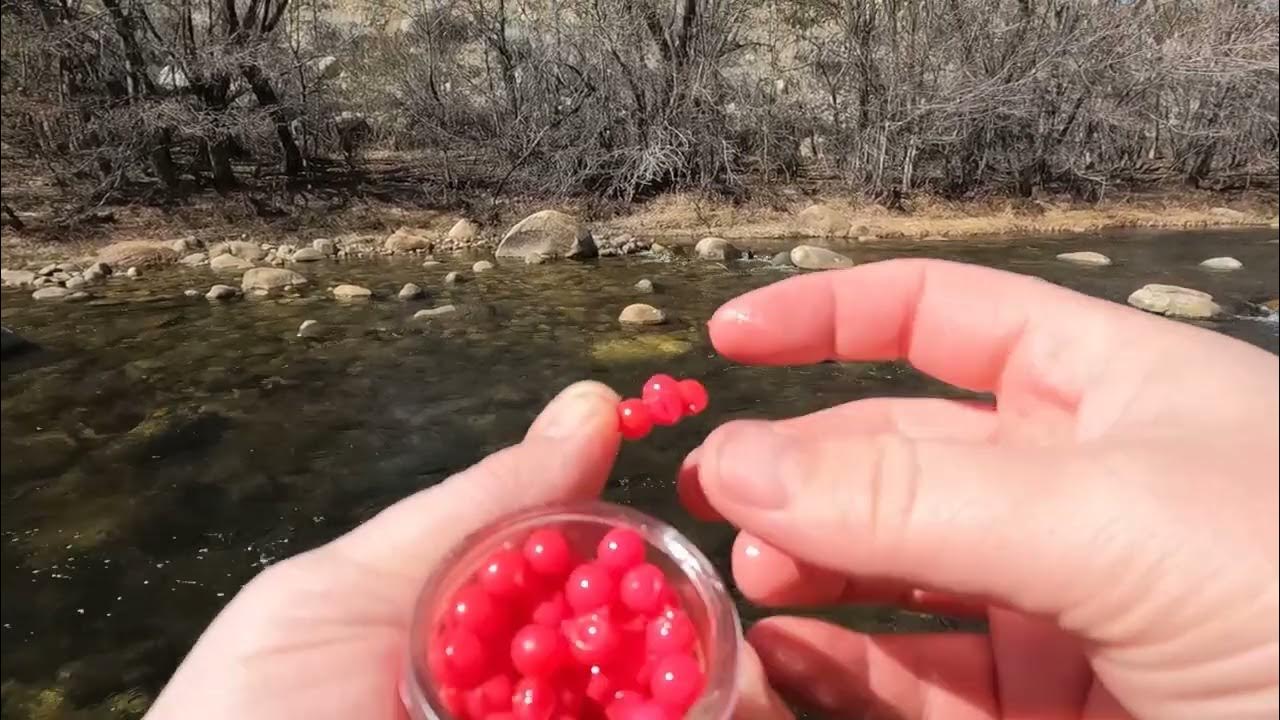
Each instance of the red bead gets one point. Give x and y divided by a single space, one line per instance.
693 395
633 419
665 407
475 610
534 699
547 552
677 681
491 696
659 383
500 716
464 658
622 704
671 632
551 612
641 710
453 700
621 549
643 588
590 587
593 638
536 650
503 574
599 687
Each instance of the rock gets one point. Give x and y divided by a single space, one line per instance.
60 276
268 279
641 348
229 263
40 281
1222 263
52 292
47 270
191 293
823 221
407 240
868 238
77 295
221 292
410 292
782 259
434 312
324 246
1273 305
535 259
641 314
17 278
137 253
935 237
811 257
481 266
219 249
464 231
352 292
12 343
1085 257
1175 301
184 245
133 273
608 252
252 252
644 285
1227 213
550 233
430 263
100 268
76 283
714 248
658 248
196 259
454 277
284 252
310 329
307 254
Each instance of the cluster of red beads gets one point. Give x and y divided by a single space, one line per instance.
540 634
664 401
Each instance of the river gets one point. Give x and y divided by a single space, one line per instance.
158 451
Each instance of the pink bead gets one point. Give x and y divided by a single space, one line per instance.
504 573
693 395
536 650
671 632
534 699
621 549
551 612
593 639
643 588
634 421
475 610
659 383
547 552
665 407
677 681
590 587
465 660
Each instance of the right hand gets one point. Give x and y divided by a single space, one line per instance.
1114 517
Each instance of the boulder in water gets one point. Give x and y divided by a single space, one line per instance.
434 312
268 279
481 266
810 257
1225 264
52 292
641 314
714 248
352 292
1085 257
410 292
229 263
306 254
310 329
197 259
453 277
17 278
1175 301
221 292
644 285
324 246
407 240
549 233
137 253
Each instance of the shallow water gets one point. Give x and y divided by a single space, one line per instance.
158 451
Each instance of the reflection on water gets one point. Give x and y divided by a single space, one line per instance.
159 450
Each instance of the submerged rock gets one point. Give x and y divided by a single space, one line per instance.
1085 257
307 254
714 248
549 233
410 292
641 314
811 257
535 259
310 329
268 279
434 312
133 273
196 259
481 266
454 277
352 292
1175 301
12 343
324 246
221 292
52 292
1222 263
644 285
229 263
75 283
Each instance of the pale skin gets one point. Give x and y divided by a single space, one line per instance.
1114 518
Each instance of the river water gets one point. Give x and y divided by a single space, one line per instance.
158 451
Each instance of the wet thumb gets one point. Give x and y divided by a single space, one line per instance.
963 518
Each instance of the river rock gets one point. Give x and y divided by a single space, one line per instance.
352 292
100 268
191 293
1175 301
76 283
138 253
197 259
325 246
782 259
535 259
714 248
431 263
1227 213
811 257
17 278
307 254
221 292
133 273
434 312
641 314
550 233
464 231
48 270
823 221
410 292
481 266
244 249
76 295
184 245
1221 263
1085 257
229 263
268 279
310 329
454 277
644 285
41 281
407 239
52 292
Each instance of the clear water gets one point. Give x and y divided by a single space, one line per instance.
159 451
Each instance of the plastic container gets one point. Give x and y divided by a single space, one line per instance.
689 574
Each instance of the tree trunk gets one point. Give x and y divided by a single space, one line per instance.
267 98
224 178
162 159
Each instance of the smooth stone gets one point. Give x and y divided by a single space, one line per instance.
1085 257
714 248
252 252
77 295
267 279
191 293
195 259
229 263
454 277
76 283
307 254
17 278
481 266
1221 263
644 285
310 329
324 246
823 221
641 314
407 240
1175 301
52 292
100 268
139 253
92 276
48 270
133 273
464 231
535 259
352 292
430 263
550 233
782 259
434 312
221 292
811 257
184 245
410 292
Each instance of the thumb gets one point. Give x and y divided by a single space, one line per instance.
949 516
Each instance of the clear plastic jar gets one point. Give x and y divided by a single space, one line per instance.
689 573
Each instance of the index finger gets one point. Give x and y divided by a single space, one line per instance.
967 325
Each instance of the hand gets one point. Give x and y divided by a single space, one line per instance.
325 634
1114 516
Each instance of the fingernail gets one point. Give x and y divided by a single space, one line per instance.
750 466
576 410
